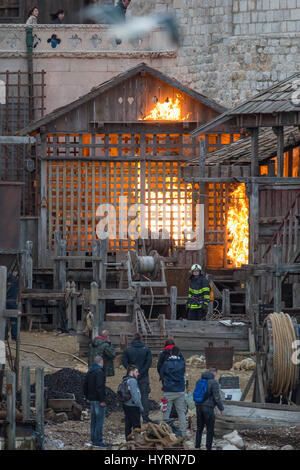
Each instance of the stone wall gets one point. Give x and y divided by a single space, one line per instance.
233 49
230 49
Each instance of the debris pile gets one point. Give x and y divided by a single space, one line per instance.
245 364
68 382
153 436
196 361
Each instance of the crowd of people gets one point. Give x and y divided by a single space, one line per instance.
58 16
133 391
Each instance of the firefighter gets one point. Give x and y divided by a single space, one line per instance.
199 295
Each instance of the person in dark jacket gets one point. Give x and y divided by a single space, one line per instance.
199 295
101 346
58 17
121 8
133 407
165 353
205 410
173 385
94 391
140 355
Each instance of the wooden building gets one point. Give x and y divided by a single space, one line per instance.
271 154
107 145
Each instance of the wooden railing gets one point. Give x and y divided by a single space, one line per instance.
284 248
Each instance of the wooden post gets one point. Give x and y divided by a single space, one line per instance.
280 151
62 266
94 305
278 285
173 302
42 226
68 305
39 405
27 265
3 289
11 409
102 275
254 151
96 264
26 392
296 294
202 186
248 386
73 299
225 302
253 224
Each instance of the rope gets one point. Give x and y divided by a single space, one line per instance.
284 371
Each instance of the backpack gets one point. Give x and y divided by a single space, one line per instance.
201 391
123 392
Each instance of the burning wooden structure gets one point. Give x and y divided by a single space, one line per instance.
271 155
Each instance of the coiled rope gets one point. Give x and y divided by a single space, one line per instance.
284 370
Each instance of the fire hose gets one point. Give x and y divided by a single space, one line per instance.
284 370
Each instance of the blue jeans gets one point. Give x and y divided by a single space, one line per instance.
97 422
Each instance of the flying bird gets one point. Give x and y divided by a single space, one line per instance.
133 28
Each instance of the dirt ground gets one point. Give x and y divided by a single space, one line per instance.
75 435
30 342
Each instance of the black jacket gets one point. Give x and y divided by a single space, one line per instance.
172 374
140 355
94 384
163 356
214 398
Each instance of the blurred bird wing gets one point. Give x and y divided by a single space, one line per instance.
105 14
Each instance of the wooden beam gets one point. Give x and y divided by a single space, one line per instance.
244 179
280 150
39 405
12 139
248 386
173 302
254 151
26 392
253 223
3 280
11 409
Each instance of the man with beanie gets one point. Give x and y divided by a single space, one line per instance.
140 355
94 391
173 385
101 346
205 409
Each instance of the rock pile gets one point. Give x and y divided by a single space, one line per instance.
66 382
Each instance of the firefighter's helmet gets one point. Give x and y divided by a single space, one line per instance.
196 267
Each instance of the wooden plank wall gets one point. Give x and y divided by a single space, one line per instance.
129 102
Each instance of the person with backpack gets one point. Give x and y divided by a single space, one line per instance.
130 396
140 355
94 391
173 385
199 295
206 396
101 346
165 353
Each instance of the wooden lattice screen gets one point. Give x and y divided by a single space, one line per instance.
22 99
85 171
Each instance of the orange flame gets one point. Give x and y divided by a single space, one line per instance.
168 110
238 227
